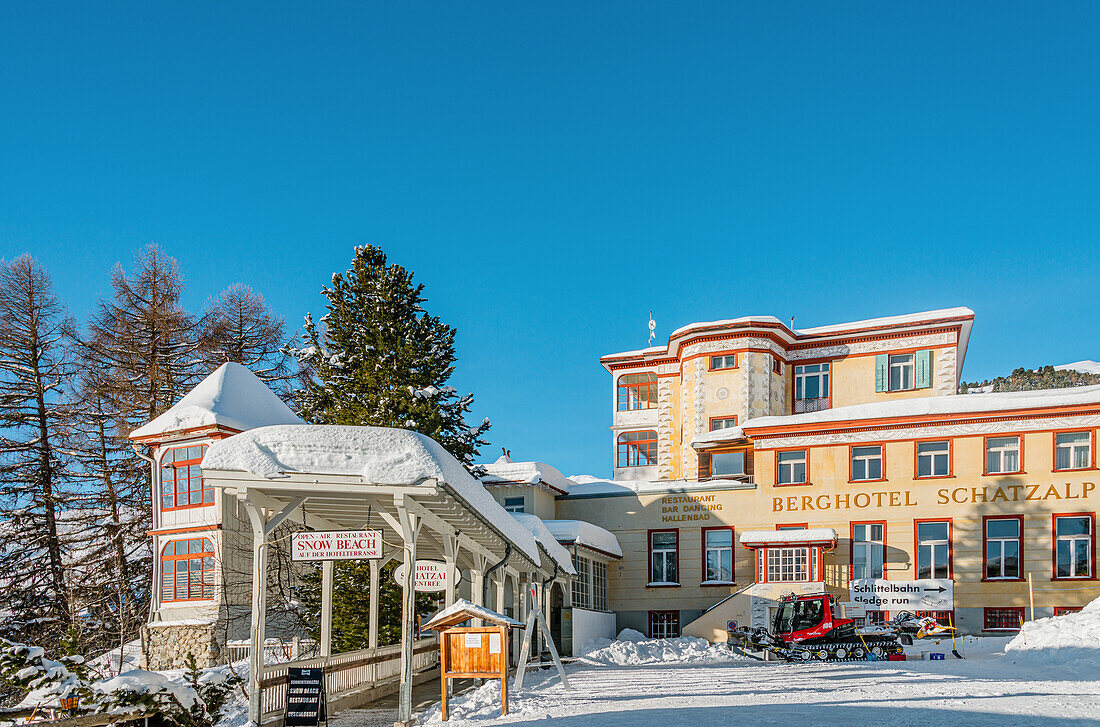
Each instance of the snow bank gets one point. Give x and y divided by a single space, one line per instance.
1073 637
634 651
380 455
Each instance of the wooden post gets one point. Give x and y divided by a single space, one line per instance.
1031 595
443 663
372 606
328 568
503 669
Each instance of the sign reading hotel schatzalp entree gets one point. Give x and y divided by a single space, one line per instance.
336 545
944 496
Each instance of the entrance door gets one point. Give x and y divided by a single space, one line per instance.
557 603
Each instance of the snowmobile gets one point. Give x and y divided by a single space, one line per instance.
809 627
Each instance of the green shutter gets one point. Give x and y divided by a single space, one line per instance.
882 372
924 369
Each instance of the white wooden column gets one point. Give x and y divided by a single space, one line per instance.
410 529
327 570
259 611
375 588
450 557
499 605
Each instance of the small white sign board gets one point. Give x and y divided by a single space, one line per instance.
854 610
430 576
336 545
927 594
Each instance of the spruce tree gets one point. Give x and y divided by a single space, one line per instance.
35 367
378 358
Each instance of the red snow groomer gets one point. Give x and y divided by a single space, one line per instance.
810 627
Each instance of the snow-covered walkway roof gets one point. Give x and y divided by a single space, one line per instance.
805 536
231 397
377 455
530 473
585 534
546 539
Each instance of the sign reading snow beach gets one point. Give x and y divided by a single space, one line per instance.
929 594
336 545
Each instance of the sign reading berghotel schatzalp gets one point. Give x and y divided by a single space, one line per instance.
929 594
336 545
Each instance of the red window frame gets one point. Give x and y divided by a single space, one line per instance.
944 618
795 375
998 616
852 549
776 366
722 419
1054 546
623 449
203 584
1054 450
675 619
950 544
648 381
882 458
191 474
985 550
713 357
649 552
1066 610
985 448
733 556
950 458
792 484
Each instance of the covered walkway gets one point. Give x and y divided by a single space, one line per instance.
424 503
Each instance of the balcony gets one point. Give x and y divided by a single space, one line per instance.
806 406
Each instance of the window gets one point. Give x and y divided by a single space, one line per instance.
1002 548
181 478
664 557
637 449
811 381
637 391
873 618
933 459
902 370
664 624
187 570
718 555
1002 455
1073 546
1003 619
1066 610
943 618
867 463
777 367
581 582
722 423
727 463
599 585
1073 450
791 467
934 549
727 361
868 550
513 504
788 565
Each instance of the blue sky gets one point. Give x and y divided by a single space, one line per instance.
554 171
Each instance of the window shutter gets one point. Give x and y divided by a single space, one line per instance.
924 369
882 372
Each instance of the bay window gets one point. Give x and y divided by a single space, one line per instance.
181 483
187 570
637 449
637 391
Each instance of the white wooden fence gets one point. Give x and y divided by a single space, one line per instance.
275 652
346 673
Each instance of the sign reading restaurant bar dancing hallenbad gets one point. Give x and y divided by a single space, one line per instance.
927 594
336 545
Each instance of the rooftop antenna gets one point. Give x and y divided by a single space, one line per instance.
652 328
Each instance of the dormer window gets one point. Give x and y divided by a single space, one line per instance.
181 482
637 391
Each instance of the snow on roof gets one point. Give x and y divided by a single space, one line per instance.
379 455
546 539
586 534
526 472
1084 367
231 397
587 485
805 535
726 322
718 435
931 315
462 607
939 405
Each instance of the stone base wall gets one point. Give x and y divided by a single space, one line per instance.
167 646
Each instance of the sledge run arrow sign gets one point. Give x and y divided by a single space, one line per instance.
879 594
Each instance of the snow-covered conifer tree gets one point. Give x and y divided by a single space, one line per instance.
378 358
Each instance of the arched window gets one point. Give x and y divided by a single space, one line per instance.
187 570
637 391
181 478
637 449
